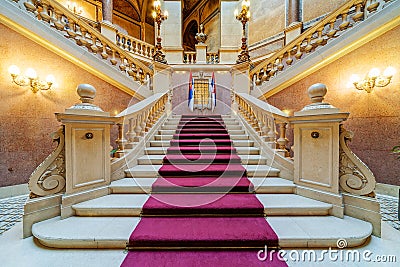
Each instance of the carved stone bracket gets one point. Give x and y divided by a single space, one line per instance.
354 176
49 176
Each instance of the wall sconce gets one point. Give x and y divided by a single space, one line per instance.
243 16
159 17
30 78
373 79
74 8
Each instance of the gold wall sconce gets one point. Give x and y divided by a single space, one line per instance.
74 8
243 16
159 17
373 79
30 78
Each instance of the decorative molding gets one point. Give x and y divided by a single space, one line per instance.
49 177
354 176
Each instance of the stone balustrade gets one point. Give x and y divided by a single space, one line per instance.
135 46
135 121
326 30
58 17
212 58
268 121
189 57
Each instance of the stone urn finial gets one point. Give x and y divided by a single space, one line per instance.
317 93
87 93
201 37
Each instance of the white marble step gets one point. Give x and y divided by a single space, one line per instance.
151 171
227 122
112 205
132 186
158 160
173 131
273 185
241 135
174 126
291 204
113 232
270 185
261 171
143 171
85 232
240 150
131 205
236 143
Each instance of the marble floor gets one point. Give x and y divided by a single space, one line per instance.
15 251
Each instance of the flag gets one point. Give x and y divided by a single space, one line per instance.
213 90
191 92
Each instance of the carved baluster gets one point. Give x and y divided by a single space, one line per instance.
289 59
30 6
138 127
71 28
280 65
122 66
94 46
44 14
282 141
145 118
345 22
373 6
83 40
359 15
264 128
59 24
320 39
121 141
260 123
113 60
131 131
332 30
309 46
298 53
104 54
271 136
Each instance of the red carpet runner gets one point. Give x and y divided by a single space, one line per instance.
202 210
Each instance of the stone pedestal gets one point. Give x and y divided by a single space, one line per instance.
87 150
201 53
293 31
240 78
108 30
162 78
316 149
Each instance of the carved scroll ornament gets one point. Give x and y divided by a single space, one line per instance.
49 176
354 176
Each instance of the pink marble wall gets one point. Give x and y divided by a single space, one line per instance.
180 92
27 119
375 117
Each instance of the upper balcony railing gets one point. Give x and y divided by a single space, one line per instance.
135 46
332 26
56 16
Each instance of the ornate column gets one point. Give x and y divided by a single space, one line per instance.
107 10
293 20
107 28
292 11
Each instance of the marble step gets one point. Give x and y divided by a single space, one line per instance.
158 160
151 171
173 131
240 150
226 122
173 127
131 205
113 232
240 136
271 185
236 143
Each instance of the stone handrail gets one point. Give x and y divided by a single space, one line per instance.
135 46
59 17
343 18
265 119
354 176
135 121
49 177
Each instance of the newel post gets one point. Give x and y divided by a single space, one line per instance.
316 149
87 150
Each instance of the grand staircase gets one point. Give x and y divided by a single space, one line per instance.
129 210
